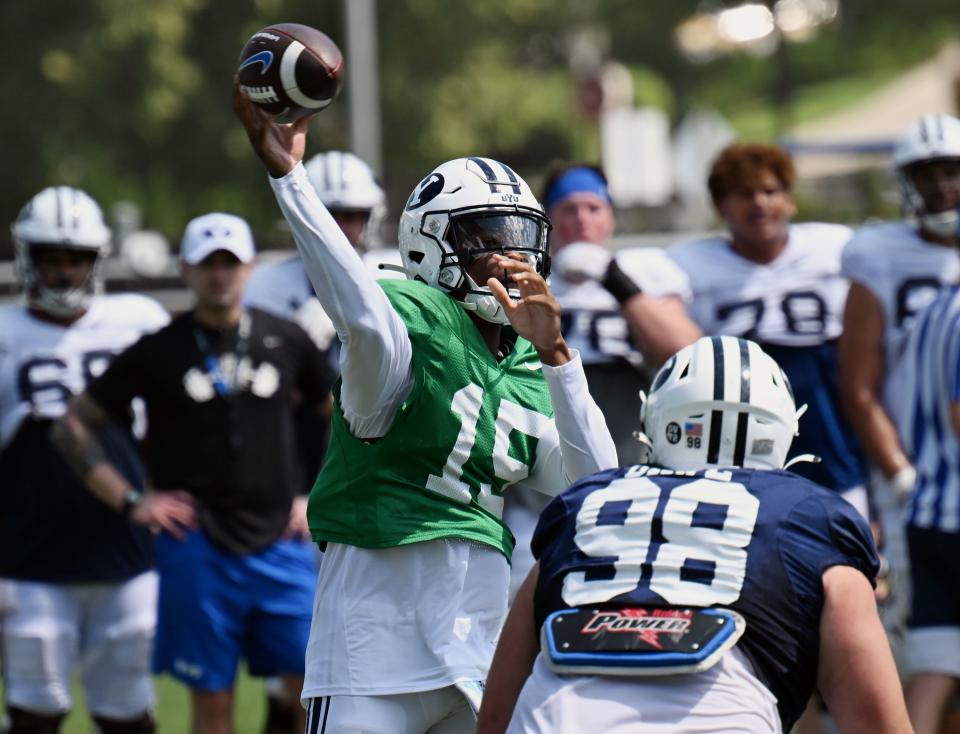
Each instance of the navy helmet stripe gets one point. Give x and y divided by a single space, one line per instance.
740 445
716 416
512 176
716 426
717 343
488 172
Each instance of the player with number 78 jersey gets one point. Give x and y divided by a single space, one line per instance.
632 560
780 285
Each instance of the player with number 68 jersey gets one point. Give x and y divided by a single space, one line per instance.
51 347
79 577
632 562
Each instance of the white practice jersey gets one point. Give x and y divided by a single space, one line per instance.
283 289
591 317
42 365
905 273
796 300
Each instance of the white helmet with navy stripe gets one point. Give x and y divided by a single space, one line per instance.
62 217
464 209
930 138
721 401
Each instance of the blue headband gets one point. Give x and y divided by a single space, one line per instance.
576 181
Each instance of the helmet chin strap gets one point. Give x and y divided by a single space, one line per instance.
486 307
646 447
61 302
942 224
483 303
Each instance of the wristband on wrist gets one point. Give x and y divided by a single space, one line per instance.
903 481
131 498
620 285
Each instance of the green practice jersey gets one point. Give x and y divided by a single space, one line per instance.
468 430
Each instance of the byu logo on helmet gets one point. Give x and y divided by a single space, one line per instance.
426 191
264 58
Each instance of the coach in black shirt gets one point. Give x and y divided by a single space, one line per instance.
219 384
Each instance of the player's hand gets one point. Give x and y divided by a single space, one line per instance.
297 526
280 147
174 512
581 261
536 315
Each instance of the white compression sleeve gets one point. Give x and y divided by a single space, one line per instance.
376 357
581 443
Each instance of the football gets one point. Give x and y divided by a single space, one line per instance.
290 70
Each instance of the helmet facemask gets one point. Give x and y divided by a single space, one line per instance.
62 218
931 139
945 223
463 210
62 300
473 235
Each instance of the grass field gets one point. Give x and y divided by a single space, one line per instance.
173 708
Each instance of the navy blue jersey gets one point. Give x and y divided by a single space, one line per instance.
824 432
54 530
792 307
756 542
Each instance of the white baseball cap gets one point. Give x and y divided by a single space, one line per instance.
211 232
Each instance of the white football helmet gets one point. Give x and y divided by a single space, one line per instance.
721 401
345 183
465 208
931 138
60 216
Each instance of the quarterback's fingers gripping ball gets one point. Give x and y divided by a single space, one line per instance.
290 70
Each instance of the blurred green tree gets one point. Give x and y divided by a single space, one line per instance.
130 99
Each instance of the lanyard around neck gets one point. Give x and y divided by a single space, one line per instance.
212 362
